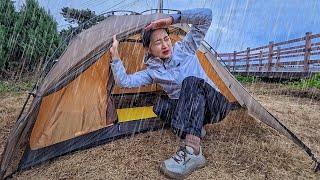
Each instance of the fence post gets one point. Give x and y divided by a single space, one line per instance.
247 60
234 60
307 52
260 61
278 59
270 55
229 61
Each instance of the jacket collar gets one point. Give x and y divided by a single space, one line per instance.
155 62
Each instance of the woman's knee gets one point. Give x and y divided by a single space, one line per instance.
191 80
192 85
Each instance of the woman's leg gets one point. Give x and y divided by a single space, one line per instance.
188 120
164 108
197 99
217 106
188 116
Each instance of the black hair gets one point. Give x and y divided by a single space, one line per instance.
146 36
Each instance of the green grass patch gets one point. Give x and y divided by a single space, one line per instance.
313 82
247 79
10 86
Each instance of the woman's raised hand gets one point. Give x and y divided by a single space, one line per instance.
160 23
114 48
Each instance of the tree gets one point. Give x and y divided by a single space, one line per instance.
84 17
7 20
29 37
79 20
36 35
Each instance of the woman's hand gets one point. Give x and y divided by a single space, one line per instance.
160 23
114 49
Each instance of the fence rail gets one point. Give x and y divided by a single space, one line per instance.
295 55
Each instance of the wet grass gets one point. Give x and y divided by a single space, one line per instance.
247 79
15 87
310 83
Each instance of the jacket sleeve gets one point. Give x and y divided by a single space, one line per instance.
200 18
123 79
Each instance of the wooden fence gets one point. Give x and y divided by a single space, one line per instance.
301 55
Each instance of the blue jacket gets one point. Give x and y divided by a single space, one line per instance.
183 63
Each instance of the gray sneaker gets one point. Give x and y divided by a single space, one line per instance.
183 163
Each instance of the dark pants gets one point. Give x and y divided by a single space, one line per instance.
198 104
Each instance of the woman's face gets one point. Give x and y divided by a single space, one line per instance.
160 44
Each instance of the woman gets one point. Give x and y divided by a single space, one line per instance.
193 99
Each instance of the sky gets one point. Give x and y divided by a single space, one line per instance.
236 24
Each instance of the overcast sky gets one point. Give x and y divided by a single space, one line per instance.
236 25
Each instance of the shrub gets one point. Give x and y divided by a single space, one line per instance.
247 79
313 82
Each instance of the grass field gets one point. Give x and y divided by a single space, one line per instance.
237 148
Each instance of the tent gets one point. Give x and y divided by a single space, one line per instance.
77 105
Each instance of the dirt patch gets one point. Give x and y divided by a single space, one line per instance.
303 93
237 148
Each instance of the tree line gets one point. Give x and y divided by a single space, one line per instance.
30 40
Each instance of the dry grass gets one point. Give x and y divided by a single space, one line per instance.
237 148
10 105
281 89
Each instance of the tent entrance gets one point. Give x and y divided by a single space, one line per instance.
137 106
